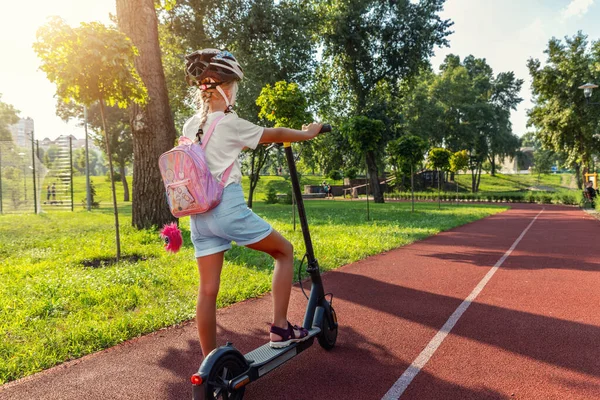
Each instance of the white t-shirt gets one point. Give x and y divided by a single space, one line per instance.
227 141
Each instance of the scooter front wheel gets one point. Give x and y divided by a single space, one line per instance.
329 331
226 368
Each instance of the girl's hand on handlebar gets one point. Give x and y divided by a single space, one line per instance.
312 129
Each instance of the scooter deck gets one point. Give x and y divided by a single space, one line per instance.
265 358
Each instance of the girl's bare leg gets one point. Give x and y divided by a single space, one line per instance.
282 251
209 268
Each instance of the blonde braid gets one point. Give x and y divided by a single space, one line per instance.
202 100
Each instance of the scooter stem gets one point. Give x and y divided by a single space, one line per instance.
310 255
317 293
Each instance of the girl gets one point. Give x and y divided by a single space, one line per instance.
216 74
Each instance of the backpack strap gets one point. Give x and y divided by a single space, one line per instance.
211 129
207 136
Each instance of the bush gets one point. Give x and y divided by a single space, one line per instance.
116 175
93 202
334 175
351 173
271 196
546 198
288 197
567 198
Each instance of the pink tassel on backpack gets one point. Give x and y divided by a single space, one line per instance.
171 234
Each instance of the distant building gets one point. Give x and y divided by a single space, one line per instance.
511 165
22 132
63 141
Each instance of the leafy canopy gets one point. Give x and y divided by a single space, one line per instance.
564 122
459 161
283 104
89 63
368 41
439 158
408 150
363 134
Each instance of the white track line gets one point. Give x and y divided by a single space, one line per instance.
402 383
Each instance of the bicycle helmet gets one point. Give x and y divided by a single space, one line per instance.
220 65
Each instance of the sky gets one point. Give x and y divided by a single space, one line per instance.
504 32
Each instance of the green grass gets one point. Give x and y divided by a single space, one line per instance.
104 194
490 185
517 182
54 308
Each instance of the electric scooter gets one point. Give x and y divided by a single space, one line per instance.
225 372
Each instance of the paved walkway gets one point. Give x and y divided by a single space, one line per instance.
503 308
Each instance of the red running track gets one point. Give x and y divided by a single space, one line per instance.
533 331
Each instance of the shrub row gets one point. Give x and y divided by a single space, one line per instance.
567 198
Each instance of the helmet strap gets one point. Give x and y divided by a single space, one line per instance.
229 106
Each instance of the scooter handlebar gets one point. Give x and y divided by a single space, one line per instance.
325 128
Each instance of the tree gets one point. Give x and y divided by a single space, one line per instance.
367 43
12 183
476 110
79 161
408 151
51 155
504 98
439 159
542 162
459 162
422 113
284 105
563 120
173 48
152 124
89 64
365 137
8 116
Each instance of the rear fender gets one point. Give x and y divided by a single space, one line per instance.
199 391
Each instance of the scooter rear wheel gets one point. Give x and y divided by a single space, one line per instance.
225 369
328 335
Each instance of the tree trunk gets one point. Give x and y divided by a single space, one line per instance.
439 185
456 182
152 125
124 181
578 175
493 164
478 177
112 181
412 187
259 158
373 177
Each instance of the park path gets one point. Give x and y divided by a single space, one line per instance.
532 332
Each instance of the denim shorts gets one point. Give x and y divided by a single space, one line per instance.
232 220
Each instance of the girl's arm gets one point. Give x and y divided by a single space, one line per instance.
280 135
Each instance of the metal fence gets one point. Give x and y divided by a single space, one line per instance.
30 185
58 185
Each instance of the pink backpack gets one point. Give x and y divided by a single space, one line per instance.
191 189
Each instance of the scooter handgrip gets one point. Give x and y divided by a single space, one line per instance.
325 128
